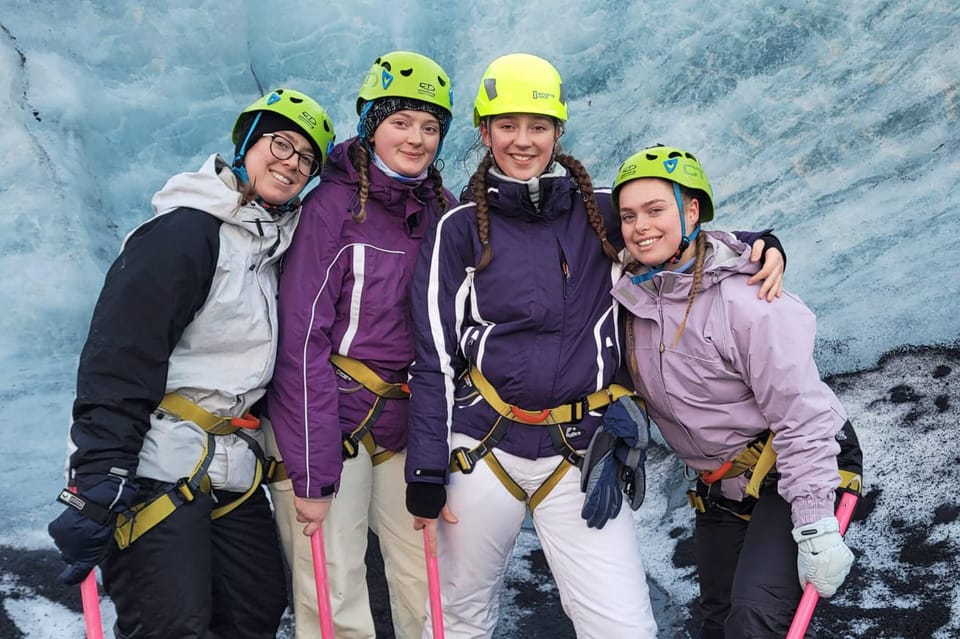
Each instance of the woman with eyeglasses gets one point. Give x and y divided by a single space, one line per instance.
164 480
338 400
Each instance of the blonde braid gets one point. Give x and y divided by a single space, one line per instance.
479 183
697 279
585 184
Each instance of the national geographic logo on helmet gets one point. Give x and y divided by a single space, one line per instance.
428 90
543 95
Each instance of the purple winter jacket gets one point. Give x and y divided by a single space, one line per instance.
344 288
538 322
741 366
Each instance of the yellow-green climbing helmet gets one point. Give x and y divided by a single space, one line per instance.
299 108
520 83
668 163
405 74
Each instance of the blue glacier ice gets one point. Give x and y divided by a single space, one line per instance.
836 123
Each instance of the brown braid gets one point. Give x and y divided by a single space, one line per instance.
479 183
697 279
361 160
438 191
585 184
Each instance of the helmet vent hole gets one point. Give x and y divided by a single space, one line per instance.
441 81
295 100
406 72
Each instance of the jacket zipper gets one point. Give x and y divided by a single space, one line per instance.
564 269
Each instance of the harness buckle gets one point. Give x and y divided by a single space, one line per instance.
530 417
185 490
463 459
581 408
714 476
351 446
248 421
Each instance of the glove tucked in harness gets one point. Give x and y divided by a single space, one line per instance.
613 465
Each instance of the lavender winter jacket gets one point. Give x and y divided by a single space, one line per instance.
345 289
742 366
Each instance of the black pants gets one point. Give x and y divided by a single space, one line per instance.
200 578
748 571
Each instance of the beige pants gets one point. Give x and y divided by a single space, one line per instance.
370 497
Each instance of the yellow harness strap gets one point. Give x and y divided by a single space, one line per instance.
566 414
179 406
363 374
762 467
132 525
359 372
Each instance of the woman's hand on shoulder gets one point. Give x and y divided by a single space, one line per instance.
770 275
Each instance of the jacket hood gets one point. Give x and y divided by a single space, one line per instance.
512 199
398 198
215 190
726 256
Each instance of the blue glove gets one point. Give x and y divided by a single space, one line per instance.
613 463
83 531
598 481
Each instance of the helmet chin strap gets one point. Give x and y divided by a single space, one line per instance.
238 168
684 242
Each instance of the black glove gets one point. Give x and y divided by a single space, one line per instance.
613 463
83 531
426 500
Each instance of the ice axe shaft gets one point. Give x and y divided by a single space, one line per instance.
323 586
91 606
433 586
801 620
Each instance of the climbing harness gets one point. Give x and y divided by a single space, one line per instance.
354 370
756 460
133 524
463 459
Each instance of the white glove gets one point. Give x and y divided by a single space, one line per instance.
822 558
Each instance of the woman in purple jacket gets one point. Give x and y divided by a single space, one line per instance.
338 400
725 378
512 308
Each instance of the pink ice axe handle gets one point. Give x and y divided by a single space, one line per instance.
91 606
433 584
323 586
801 620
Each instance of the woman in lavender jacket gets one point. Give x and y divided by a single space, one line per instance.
720 372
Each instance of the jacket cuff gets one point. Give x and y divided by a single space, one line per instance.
809 509
426 500
772 241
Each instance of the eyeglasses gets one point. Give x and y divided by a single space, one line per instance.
282 149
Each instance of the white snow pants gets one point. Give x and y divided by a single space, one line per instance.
599 573
370 496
